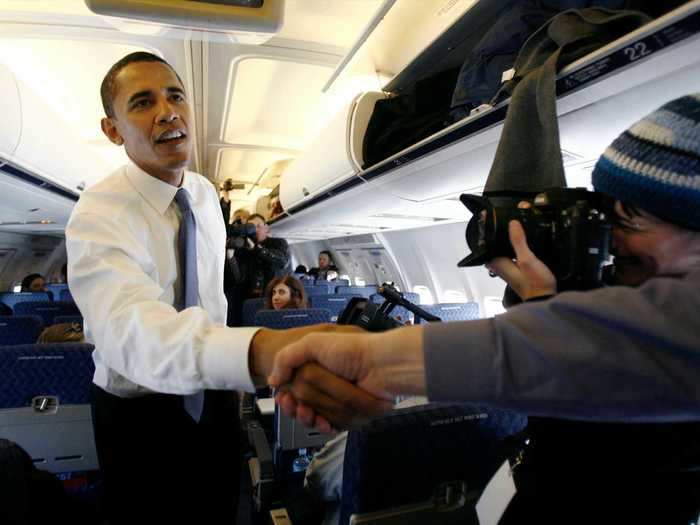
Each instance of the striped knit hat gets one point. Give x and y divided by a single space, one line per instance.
655 164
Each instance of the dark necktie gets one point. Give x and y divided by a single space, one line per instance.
187 250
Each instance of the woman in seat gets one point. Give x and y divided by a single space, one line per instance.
285 292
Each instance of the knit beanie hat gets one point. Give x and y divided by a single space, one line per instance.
655 164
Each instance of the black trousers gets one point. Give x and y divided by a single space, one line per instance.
159 466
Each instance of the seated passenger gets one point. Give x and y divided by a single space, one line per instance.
62 333
326 270
285 292
324 476
34 282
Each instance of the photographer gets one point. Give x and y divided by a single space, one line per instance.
623 354
260 259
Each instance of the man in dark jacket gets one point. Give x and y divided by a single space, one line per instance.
325 267
262 260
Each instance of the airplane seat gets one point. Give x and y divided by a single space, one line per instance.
47 310
453 311
56 288
250 308
317 289
292 317
65 295
334 303
20 329
5 310
12 298
280 458
340 282
425 464
364 291
45 404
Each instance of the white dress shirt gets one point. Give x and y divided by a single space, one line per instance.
123 272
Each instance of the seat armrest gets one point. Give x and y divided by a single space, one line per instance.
257 438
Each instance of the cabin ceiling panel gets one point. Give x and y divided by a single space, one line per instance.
336 23
275 102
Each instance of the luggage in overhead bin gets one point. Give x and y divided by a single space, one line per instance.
528 157
464 69
482 72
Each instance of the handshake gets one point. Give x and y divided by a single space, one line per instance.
334 376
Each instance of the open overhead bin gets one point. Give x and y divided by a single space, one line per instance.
598 96
38 147
333 158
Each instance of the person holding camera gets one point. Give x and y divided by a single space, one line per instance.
262 258
628 353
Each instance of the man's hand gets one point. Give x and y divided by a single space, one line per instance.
337 403
527 275
249 244
383 365
267 343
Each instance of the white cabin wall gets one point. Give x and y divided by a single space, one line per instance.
428 257
363 258
306 253
22 254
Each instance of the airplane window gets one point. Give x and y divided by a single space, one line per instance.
426 296
454 296
493 305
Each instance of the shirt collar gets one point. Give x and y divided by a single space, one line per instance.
157 193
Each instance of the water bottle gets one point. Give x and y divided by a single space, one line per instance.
301 461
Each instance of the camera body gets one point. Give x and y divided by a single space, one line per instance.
376 317
569 229
237 233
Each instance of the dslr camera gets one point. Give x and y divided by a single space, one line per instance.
377 317
237 233
569 229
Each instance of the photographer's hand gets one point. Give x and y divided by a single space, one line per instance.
383 365
321 399
527 275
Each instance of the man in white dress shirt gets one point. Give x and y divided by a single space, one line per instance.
159 462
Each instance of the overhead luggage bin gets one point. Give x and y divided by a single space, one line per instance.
10 131
335 156
598 96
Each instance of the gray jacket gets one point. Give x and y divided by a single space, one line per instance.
613 354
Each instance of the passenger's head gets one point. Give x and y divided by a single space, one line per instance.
148 113
285 292
34 282
242 215
261 227
653 170
62 333
325 260
301 269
